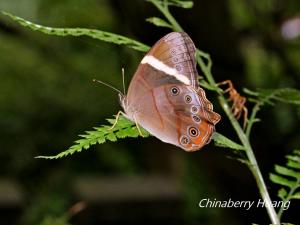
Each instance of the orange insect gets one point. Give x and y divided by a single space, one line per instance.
238 101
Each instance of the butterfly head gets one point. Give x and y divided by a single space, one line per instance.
123 100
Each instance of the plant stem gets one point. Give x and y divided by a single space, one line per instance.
253 166
288 198
252 118
164 9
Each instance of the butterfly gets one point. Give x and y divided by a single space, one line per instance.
164 96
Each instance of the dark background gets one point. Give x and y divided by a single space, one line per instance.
47 98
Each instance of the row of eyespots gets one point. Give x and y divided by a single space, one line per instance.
175 91
188 99
192 131
194 109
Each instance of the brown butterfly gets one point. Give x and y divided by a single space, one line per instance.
164 96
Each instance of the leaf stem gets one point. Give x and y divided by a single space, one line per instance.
288 197
164 9
252 118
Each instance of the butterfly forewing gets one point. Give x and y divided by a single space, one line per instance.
177 51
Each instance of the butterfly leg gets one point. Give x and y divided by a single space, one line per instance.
138 127
116 120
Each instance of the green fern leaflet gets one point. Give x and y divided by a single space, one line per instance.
289 178
123 129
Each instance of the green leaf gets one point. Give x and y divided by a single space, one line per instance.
100 140
132 131
93 33
178 3
123 122
250 92
293 164
222 141
123 128
287 172
297 152
287 95
57 220
111 137
296 195
290 171
281 180
296 159
285 224
282 193
158 22
181 3
206 85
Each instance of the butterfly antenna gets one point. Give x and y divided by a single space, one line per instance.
123 79
107 85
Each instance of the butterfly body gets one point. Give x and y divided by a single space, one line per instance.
164 96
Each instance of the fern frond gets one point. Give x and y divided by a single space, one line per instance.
93 33
269 96
289 177
287 95
124 128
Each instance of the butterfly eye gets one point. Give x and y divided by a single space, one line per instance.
175 90
194 109
184 140
188 98
193 131
196 118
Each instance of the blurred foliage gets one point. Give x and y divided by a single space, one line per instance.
55 220
49 209
48 97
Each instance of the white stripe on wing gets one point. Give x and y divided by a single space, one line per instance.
159 65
